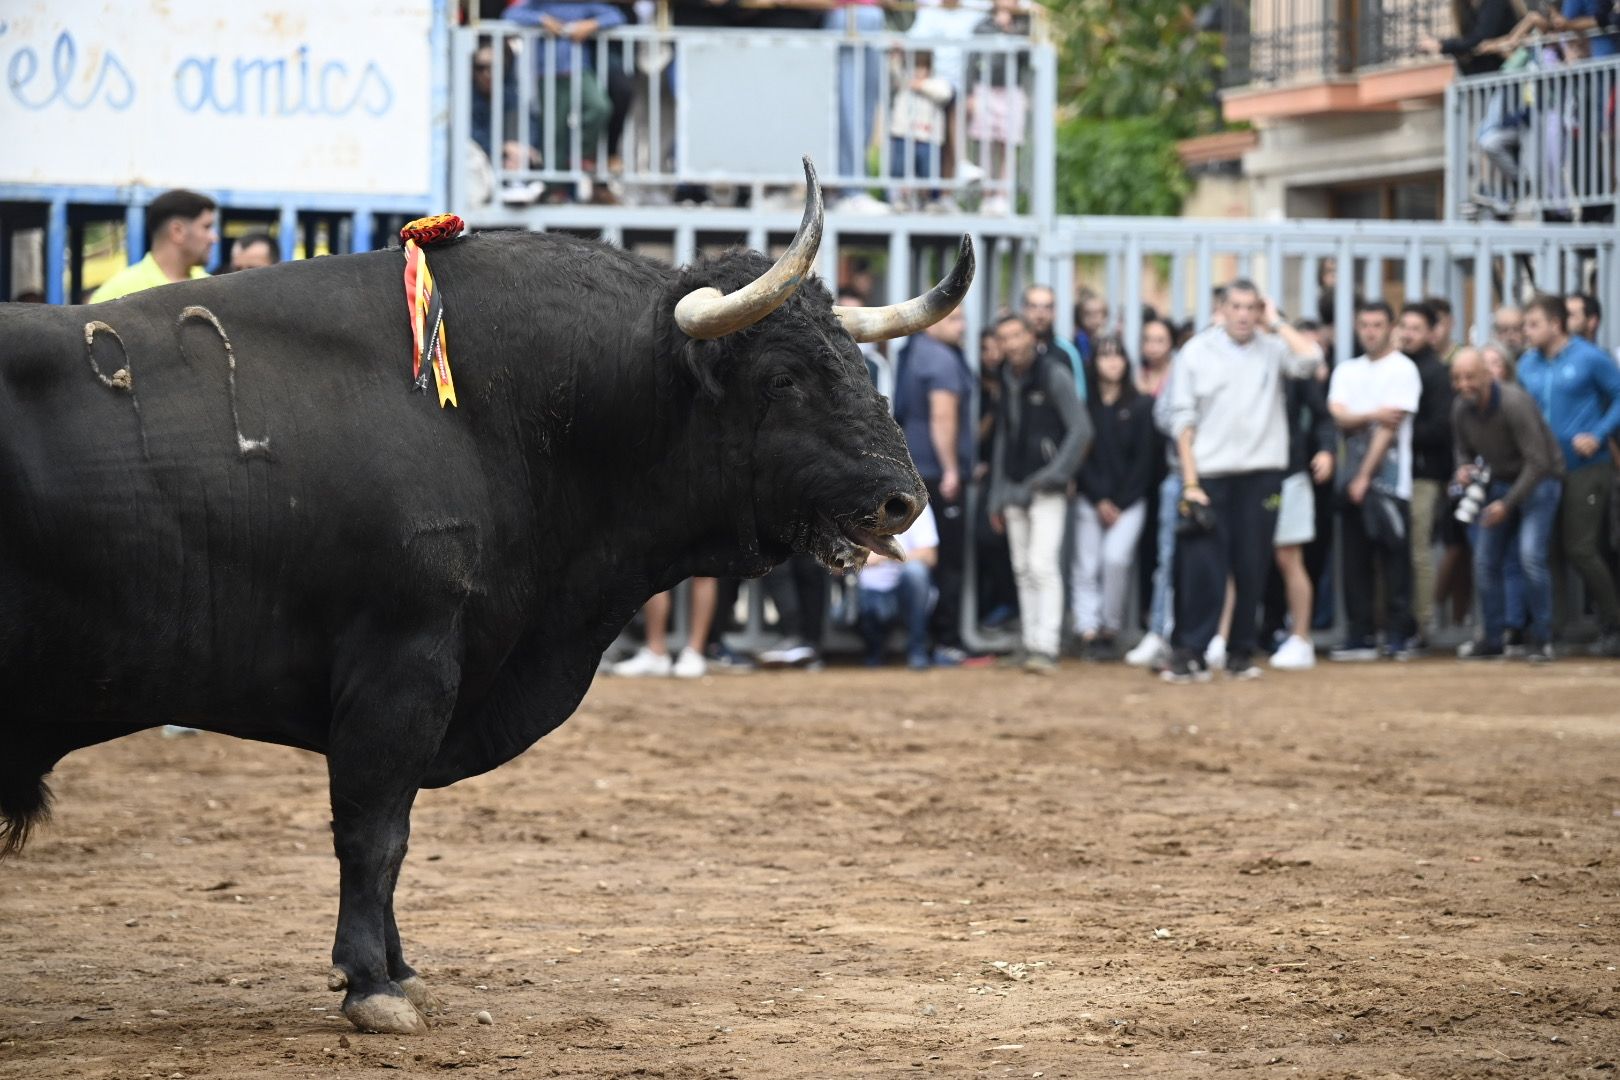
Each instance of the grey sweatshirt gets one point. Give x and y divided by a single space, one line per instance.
1233 396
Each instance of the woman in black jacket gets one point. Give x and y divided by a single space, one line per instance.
1113 483
1478 22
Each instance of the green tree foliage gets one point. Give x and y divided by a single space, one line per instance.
1124 166
1133 78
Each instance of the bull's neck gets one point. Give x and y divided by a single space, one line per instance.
637 480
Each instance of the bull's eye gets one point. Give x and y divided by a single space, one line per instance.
781 382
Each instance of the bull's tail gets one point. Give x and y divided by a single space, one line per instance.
25 801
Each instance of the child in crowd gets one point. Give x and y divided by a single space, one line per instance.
917 119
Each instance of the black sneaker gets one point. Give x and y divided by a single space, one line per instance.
1185 668
1241 670
726 660
1607 645
1355 650
1100 650
1479 650
1405 650
1513 643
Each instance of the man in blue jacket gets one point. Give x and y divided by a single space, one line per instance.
1577 388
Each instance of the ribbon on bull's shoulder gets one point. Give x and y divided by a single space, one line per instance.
425 303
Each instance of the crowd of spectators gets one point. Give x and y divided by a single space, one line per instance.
1211 474
951 129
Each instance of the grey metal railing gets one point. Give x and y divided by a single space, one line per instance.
1475 266
1275 42
738 107
1533 142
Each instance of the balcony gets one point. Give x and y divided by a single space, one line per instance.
1538 143
1306 57
724 115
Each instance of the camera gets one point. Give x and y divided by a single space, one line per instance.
1472 496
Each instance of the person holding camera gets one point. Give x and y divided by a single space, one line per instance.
1510 470
1227 417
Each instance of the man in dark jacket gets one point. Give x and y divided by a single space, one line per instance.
1499 426
1431 451
1042 433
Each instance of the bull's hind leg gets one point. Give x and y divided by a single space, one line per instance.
388 724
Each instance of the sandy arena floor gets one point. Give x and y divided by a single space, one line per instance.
1385 871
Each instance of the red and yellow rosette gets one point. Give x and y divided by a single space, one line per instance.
425 303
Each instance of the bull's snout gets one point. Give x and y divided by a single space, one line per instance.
897 513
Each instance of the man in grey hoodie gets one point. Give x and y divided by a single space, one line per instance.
1042 432
1227 417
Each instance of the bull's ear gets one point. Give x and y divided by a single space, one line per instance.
706 363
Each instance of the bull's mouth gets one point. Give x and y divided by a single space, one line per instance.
843 547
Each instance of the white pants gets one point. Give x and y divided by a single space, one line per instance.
1035 538
1103 561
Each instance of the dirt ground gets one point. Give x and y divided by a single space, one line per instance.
1382 871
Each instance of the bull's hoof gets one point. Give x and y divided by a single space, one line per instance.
422 996
386 1014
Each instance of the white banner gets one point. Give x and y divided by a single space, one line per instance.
327 96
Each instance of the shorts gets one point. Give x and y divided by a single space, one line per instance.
998 114
1296 517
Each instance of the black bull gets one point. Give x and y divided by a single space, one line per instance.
222 504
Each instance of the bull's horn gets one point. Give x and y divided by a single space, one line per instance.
708 313
918 313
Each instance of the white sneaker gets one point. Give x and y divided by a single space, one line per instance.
789 652
644 663
1215 654
690 665
861 203
1149 652
1295 654
996 206
518 193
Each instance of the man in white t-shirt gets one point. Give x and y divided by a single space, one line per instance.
901 592
1372 399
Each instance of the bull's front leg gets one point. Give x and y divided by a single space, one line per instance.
386 730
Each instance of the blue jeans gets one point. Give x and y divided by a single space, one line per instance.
1527 532
923 156
1160 612
909 603
856 106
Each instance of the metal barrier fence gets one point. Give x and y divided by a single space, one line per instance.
912 118
1474 266
1537 141
54 220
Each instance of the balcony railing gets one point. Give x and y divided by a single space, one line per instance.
1276 42
739 108
1538 142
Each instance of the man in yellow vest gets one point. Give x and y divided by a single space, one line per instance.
180 229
